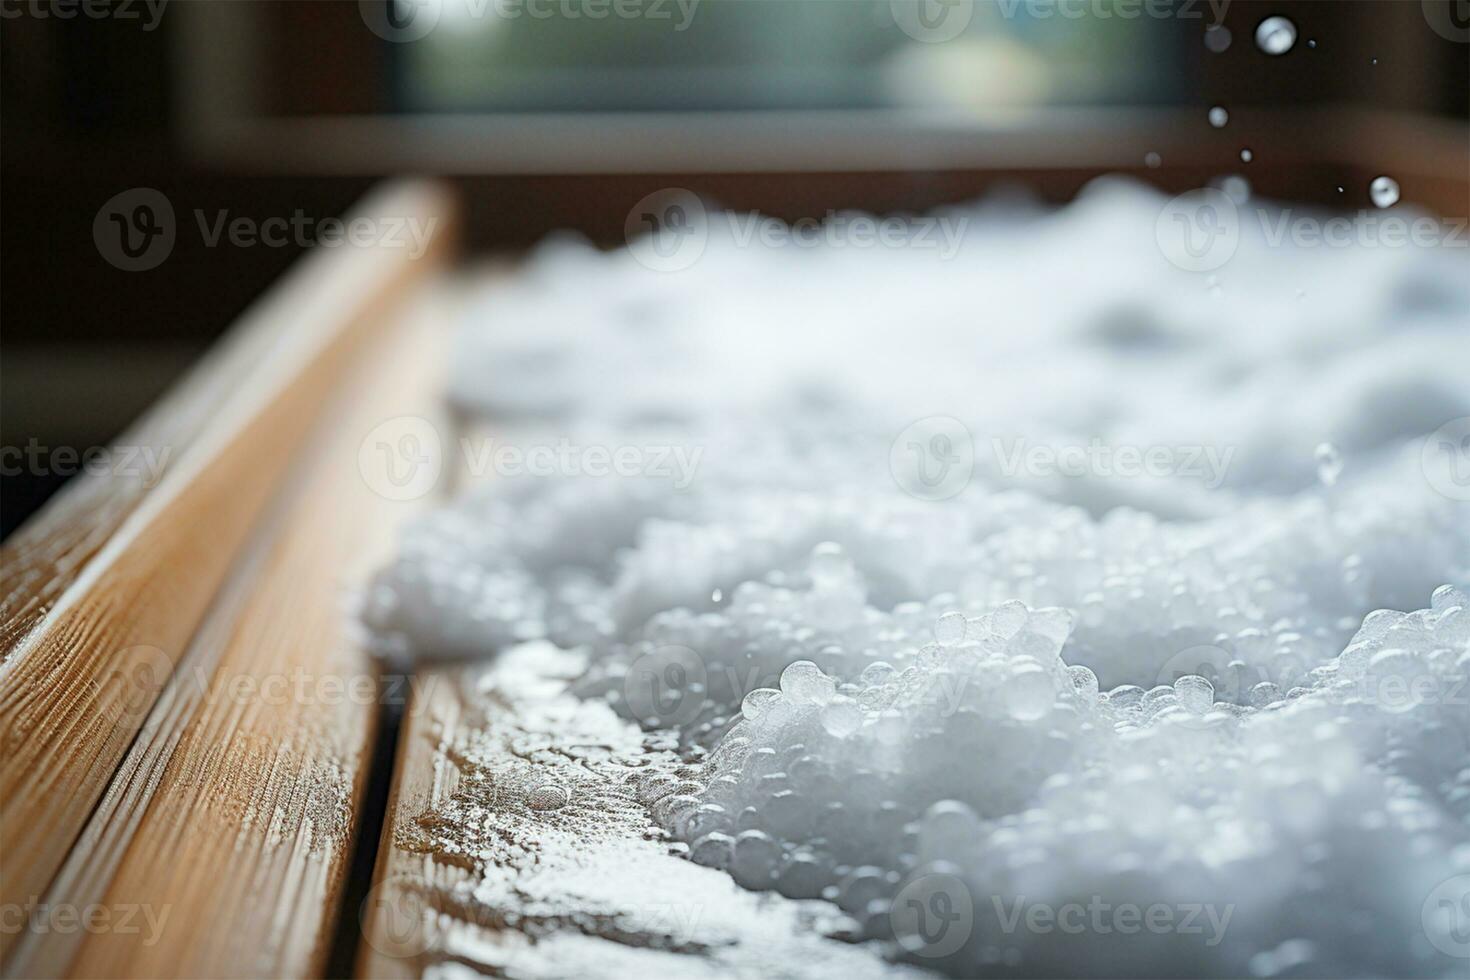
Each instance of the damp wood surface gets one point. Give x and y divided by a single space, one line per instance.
109 587
514 847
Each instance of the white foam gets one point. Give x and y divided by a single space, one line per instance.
1039 691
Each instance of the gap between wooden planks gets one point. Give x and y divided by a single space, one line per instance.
230 822
108 587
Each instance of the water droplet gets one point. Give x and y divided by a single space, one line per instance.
1219 116
1153 160
1329 464
1311 42
1217 38
1275 35
548 797
1384 192
717 595
1247 155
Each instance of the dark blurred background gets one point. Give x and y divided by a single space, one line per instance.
561 113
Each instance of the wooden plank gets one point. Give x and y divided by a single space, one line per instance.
110 589
230 823
514 846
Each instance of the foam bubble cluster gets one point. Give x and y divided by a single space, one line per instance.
1032 722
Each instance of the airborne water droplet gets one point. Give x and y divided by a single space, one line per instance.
1329 464
1247 155
1384 191
1217 38
1152 160
1275 35
1219 116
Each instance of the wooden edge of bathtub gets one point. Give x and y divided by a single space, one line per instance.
396 915
107 586
231 823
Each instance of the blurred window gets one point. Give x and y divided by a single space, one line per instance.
650 55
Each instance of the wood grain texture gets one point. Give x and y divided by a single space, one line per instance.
230 822
109 587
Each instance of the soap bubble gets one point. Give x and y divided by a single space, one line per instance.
1275 35
804 683
1195 693
950 628
758 703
